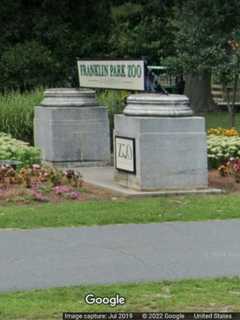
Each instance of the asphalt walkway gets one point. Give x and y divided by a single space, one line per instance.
109 254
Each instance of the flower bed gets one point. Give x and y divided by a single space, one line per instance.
224 152
24 180
222 148
17 150
232 132
223 144
40 182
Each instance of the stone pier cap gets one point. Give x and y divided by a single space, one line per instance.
158 105
64 97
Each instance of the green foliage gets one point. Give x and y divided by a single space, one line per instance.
141 29
39 47
203 29
17 112
220 119
229 74
26 66
221 148
13 149
114 101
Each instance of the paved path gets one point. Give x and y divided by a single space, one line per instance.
103 177
108 254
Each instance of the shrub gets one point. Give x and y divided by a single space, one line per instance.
13 149
27 65
115 103
17 112
222 148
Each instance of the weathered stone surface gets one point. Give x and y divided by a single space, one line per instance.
171 152
58 97
158 105
71 127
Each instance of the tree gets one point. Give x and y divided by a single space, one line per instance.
203 28
141 28
26 66
228 74
62 30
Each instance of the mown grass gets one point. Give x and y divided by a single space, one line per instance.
17 112
209 295
148 210
220 119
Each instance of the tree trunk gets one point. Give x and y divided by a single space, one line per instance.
198 90
230 106
235 89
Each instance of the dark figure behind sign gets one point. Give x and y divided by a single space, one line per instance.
180 84
151 82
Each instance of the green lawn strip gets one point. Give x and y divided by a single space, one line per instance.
211 295
70 213
220 119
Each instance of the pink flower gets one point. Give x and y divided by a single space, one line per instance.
74 195
35 186
38 196
62 189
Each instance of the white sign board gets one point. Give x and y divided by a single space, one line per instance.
125 154
111 74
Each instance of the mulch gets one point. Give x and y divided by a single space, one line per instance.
227 183
16 194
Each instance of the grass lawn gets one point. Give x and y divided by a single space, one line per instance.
211 295
220 119
145 210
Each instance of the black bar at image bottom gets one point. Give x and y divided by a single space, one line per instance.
152 315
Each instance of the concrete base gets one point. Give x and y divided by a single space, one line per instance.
72 134
103 177
76 164
171 153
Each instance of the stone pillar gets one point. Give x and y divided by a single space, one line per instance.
170 144
72 129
